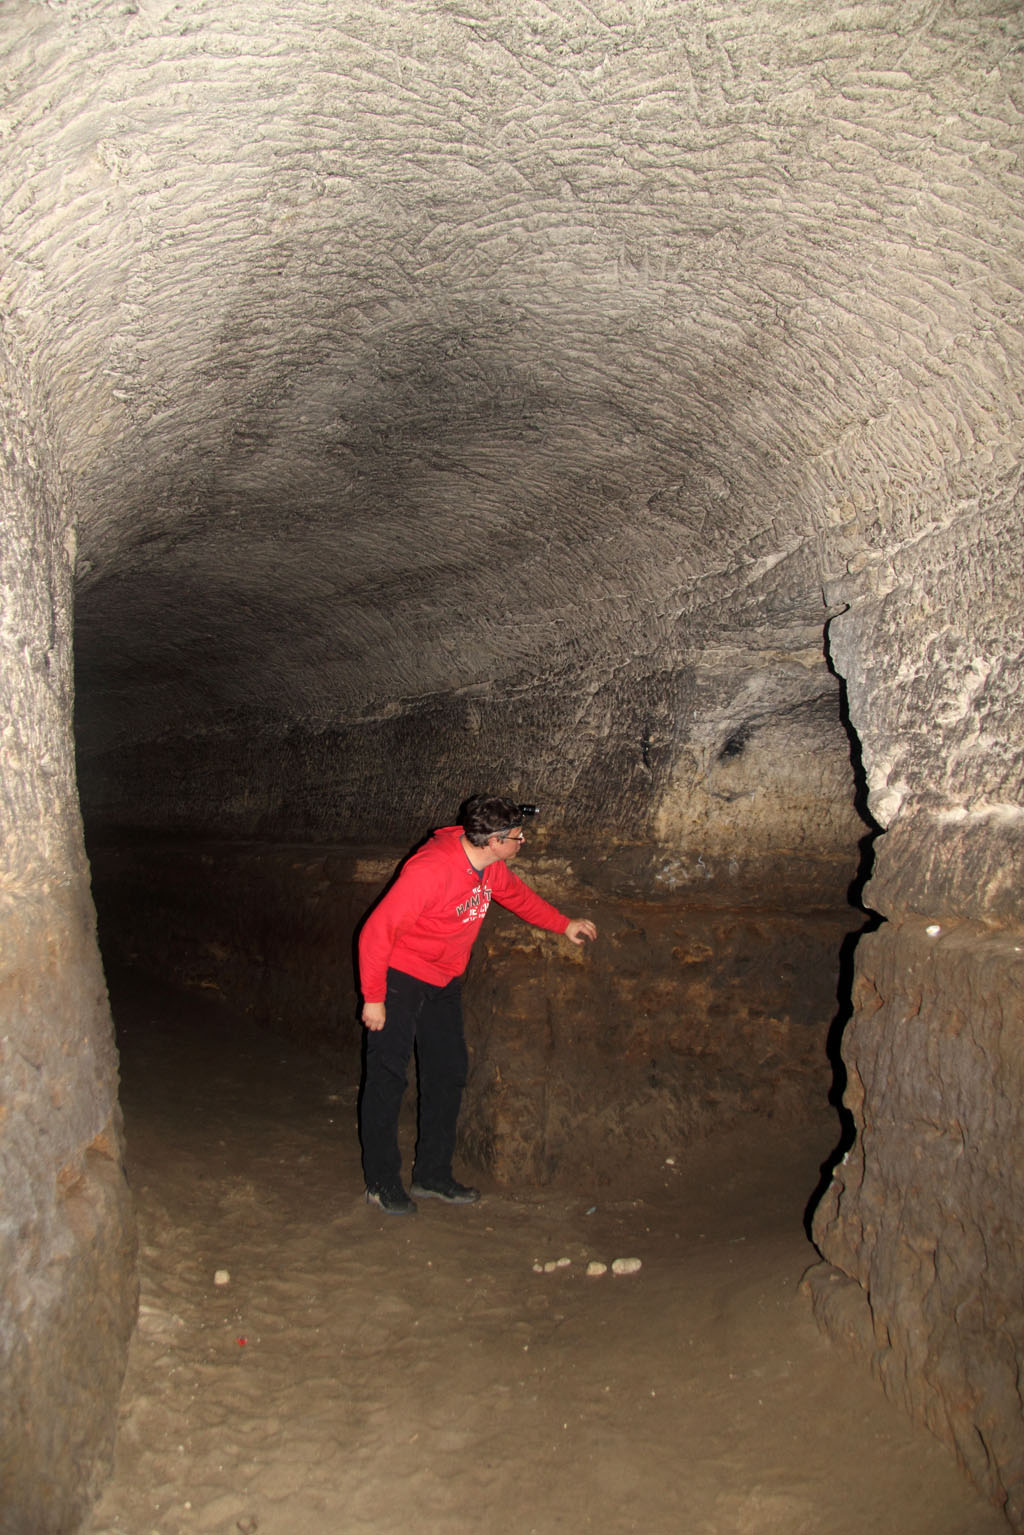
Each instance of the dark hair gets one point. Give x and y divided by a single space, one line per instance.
483 815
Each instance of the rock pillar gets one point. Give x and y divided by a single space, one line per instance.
67 1286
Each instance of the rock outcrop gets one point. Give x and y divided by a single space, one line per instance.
921 1226
67 1243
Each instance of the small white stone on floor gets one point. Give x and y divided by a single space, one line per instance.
222 1277
933 930
538 1268
563 1263
594 1268
550 1266
626 1266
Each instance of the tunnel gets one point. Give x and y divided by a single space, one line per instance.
615 406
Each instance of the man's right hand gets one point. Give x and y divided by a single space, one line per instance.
373 1015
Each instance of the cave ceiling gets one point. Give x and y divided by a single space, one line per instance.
405 348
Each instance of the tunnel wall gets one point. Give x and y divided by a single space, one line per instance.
921 1227
67 1285
591 1068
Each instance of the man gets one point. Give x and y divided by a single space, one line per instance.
413 950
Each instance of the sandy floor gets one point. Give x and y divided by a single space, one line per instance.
363 1373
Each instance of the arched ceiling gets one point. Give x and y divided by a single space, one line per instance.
403 349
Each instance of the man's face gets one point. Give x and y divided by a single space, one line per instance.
508 845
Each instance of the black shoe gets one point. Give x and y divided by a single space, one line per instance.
447 1189
393 1200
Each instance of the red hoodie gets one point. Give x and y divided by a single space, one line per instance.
427 922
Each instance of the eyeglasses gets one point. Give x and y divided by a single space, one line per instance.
510 836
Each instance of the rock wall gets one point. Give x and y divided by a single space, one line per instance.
921 1228
680 1021
922 1223
67 1288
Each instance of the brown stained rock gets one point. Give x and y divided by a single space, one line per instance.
675 1024
923 1222
67 1250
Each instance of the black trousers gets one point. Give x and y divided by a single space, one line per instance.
429 1017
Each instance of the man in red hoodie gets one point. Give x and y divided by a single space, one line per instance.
413 950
